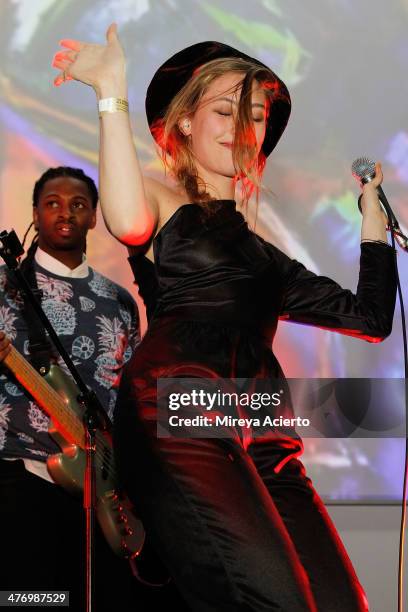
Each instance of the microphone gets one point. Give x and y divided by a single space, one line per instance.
363 169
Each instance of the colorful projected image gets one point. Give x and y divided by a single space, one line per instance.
349 90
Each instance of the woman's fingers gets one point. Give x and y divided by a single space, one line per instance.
70 43
378 174
63 65
370 193
378 178
61 78
66 55
91 64
63 60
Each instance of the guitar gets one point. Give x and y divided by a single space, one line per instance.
57 395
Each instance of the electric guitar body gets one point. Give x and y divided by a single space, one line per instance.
57 394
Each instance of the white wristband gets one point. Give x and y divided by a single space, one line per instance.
113 105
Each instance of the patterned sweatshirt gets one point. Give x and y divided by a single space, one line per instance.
97 322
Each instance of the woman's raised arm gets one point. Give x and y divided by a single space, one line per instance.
128 201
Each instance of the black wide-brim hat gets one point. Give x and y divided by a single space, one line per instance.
171 77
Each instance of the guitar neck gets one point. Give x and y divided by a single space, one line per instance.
64 419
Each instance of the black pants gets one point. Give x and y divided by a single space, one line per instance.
236 534
42 538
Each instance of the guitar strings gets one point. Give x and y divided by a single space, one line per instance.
69 419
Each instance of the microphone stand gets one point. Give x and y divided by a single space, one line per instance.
394 225
94 415
403 242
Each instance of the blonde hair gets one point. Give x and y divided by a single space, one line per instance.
175 148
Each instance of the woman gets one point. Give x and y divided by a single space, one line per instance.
236 520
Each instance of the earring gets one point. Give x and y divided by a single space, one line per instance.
186 125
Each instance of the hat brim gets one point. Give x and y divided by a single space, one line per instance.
171 77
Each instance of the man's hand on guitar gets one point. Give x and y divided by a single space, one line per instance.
5 346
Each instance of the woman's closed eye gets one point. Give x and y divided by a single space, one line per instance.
256 119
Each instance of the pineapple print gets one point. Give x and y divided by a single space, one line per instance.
103 287
112 339
7 320
38 419
4 410
56 294
87 305
61 315
2 438
54 289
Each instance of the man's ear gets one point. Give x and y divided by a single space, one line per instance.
93 220
184 125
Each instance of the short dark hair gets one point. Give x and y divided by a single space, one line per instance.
76 173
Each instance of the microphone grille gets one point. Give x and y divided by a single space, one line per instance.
363 169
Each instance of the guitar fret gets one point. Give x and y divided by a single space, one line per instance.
23 370
44 394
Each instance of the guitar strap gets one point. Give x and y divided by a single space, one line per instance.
38 343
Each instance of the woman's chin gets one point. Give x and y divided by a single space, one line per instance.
228 171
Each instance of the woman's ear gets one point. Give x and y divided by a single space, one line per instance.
184 125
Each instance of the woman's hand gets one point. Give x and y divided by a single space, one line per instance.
370 203
103 67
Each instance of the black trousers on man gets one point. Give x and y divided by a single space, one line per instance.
42 538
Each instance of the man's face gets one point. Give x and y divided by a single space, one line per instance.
63 215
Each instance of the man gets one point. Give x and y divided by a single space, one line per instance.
41 525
